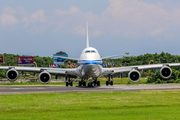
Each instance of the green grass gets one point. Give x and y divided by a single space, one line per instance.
117 81
138 105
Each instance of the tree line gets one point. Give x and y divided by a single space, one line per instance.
12 60
145 59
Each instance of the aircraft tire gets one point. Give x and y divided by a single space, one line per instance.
84 83
79 83
106 83
92 84
111 83
89 84
71 83
98 83
95 82
67 84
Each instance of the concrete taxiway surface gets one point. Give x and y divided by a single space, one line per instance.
63 89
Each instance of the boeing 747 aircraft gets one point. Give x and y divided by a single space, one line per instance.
89 69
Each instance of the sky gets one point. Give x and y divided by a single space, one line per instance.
44 27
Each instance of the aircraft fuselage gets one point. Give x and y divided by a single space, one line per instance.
90 63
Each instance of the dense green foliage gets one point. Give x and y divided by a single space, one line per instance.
43 61
145 59
155 78
136 105
11 60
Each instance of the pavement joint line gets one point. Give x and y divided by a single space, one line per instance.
80 89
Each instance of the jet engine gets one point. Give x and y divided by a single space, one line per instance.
12 75
44 77
134 76
165 72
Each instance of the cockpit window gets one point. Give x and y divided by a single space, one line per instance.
87 51
92 51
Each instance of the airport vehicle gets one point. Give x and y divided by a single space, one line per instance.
89 69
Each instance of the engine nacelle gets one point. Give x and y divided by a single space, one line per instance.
44 77
134 76
12 75
165 72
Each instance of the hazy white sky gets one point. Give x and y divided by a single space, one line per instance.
44 27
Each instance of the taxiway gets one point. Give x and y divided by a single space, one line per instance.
63 89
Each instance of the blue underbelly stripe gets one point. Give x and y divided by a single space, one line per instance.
91 61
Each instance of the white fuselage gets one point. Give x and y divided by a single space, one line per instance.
90 63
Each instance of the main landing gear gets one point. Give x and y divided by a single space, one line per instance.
93 83
82 82
68 82
109 82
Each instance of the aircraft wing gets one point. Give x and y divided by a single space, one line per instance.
138 67
112 56
45 73
66 57
40 69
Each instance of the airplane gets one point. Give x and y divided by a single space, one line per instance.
89 69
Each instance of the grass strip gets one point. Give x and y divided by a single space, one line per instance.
117 81
141 105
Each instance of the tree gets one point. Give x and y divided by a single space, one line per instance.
127 53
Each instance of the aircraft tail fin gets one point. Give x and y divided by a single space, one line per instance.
87 36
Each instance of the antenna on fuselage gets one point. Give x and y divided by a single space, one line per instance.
87 36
